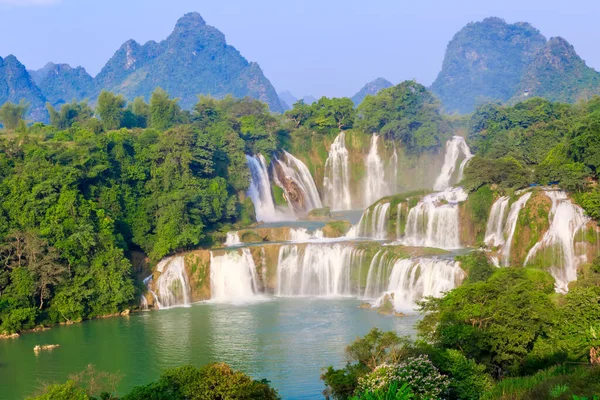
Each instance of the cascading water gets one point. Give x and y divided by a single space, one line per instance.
394 172
413 279
316 269
172 288
232 239
557 247
233 277
260 191
293 176
336 183
302 235
373 223
376 186
511 225
379 272
434 221
494 232
454 148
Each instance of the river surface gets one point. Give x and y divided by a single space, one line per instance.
287 341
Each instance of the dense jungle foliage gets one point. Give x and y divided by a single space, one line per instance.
81 196
211 382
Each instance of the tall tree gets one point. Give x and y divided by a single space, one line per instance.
12 114
163 110
110 108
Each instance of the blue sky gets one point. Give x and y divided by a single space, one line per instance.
318 47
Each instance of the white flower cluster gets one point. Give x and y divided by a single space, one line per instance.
424 379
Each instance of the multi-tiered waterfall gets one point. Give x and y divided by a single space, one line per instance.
317 270
293 176
373 223
375 183
413 279
455 148
511 225
434 221
233 277
557 247
172 287
260 192
494 232
336 183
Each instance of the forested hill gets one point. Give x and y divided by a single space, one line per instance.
17 86
195 59
492 60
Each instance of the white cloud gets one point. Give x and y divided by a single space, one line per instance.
16 3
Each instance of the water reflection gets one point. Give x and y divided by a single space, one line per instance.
286 341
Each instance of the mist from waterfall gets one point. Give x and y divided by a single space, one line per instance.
233 277
557 247
434 221
172 287
494 232
413 279
296 174
373 223
511 225
317 269
455 147
375 184
336 182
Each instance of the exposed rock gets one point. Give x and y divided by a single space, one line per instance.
45 347
9 335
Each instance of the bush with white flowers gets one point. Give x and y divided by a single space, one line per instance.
425 380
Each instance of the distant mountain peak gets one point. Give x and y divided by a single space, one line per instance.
484 62
371 88
189 22
557 73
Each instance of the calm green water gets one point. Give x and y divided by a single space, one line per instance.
287 341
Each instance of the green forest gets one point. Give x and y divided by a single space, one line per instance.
84 197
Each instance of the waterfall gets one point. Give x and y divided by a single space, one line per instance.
302 235
373 223
394 166
566 220
233 239
233 277
172 287
376 186
454 148
293 176
316 269
377 277
494 232
260 191
336 183
413 279
434 221
143 303
511 225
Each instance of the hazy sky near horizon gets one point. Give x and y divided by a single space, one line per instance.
317 47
